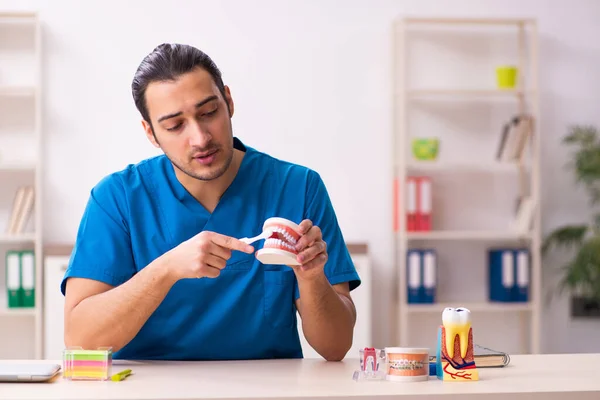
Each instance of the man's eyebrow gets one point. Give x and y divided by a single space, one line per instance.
198 105
208 99
169 116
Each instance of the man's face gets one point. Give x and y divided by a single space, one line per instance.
192 124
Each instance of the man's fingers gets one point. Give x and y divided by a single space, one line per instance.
231 243
209 272
304 242
311 252
321 259
305 226
215 261
311 236
219 251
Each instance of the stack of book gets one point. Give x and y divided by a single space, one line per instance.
514 138
486 358
22 210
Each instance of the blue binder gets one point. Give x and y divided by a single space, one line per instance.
421 276
429 273
509 274
523 275
413 276
501 274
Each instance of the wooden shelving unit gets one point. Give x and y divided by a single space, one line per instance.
465 235
473 307
21 328
465 105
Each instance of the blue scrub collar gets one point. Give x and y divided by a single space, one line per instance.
237 144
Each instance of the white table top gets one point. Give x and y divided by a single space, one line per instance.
548 377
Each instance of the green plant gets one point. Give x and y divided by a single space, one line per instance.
581 274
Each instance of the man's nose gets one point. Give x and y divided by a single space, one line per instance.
199 136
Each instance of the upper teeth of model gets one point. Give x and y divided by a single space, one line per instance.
457 321
286 235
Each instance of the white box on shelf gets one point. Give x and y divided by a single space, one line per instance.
55 265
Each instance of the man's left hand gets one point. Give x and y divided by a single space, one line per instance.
312 251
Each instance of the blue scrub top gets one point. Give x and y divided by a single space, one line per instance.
135 215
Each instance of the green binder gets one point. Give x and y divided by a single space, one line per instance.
28 278
13 279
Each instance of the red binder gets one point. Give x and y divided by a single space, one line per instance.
411 204
396 206
424 203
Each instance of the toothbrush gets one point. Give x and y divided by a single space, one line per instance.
263 235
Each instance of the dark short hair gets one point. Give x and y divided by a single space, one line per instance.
167 62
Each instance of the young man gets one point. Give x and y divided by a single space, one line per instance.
158 272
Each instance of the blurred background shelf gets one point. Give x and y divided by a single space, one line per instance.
17 238
17 167
467 235
15 312
21 157
483 307
467 21
472 190
17 91
457 94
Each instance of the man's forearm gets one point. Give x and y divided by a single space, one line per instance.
114 317
328 318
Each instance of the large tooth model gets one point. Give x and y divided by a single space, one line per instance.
457 321
454 358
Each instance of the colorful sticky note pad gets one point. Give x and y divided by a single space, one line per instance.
79 364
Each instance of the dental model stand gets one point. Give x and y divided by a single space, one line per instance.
276 257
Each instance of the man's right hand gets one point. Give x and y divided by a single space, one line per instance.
203 255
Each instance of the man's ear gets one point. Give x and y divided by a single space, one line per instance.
149 133
229 100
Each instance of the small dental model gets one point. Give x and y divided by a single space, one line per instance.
281 237
372 363
455 359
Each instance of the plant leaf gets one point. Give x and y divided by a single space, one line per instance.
584 135
596 227
582 274
586 160
566 236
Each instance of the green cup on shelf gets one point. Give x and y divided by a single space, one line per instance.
506 76
425 149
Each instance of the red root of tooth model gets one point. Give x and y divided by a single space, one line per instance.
279 248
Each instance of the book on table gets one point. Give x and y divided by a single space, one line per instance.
486 358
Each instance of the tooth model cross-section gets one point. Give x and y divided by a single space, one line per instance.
454 359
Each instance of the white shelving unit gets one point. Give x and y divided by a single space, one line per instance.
445 87
21 329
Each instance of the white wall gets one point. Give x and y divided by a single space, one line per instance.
301 92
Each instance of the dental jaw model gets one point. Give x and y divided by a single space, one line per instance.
454 358
281 236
